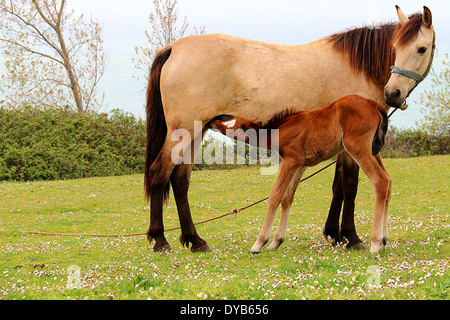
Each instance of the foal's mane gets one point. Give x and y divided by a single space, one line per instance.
370 48
279 118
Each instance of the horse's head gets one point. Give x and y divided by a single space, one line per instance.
414 43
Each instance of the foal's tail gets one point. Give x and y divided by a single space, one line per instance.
380 134
156 120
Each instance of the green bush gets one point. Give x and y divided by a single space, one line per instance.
60 144
414 143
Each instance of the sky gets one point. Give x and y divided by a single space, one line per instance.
281 21
278 21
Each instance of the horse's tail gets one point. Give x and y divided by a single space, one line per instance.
380 134
156 120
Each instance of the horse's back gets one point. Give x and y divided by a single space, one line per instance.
209 75
214 74
358 106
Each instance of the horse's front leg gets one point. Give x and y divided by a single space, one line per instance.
345 188
350 180
286 203
287 171
331 228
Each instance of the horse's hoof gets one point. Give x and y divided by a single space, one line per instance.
339 243
203 248
164 248
255 251
355 246
333 235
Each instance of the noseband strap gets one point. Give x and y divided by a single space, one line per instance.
408 74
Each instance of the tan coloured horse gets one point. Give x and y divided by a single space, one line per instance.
199 78
354 124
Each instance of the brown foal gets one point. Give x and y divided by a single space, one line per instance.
353 124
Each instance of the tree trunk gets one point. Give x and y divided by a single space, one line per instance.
56 25
73 79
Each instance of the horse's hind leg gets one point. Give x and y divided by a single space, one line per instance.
180 179
160 172
286 203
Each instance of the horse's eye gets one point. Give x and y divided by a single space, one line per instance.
422 50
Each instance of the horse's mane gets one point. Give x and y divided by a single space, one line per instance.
370 49
407 33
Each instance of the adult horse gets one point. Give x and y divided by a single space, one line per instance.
199 78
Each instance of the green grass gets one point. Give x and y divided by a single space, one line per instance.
414 266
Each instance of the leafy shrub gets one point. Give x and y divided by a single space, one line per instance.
60 144
414 143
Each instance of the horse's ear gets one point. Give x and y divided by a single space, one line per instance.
426 17
401 16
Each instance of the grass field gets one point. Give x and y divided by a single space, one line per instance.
414 266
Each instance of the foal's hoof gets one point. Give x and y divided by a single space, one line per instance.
203 248
276 243
378 246
164 248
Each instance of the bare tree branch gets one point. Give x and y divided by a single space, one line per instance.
38 8
165 29
42 36
52 57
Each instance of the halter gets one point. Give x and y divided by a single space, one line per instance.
413 75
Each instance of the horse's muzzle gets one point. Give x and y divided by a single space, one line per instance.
393 98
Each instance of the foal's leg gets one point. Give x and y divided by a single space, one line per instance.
386 209
286 203
287 171
381 184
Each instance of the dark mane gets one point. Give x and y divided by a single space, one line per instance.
278 119
370 49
